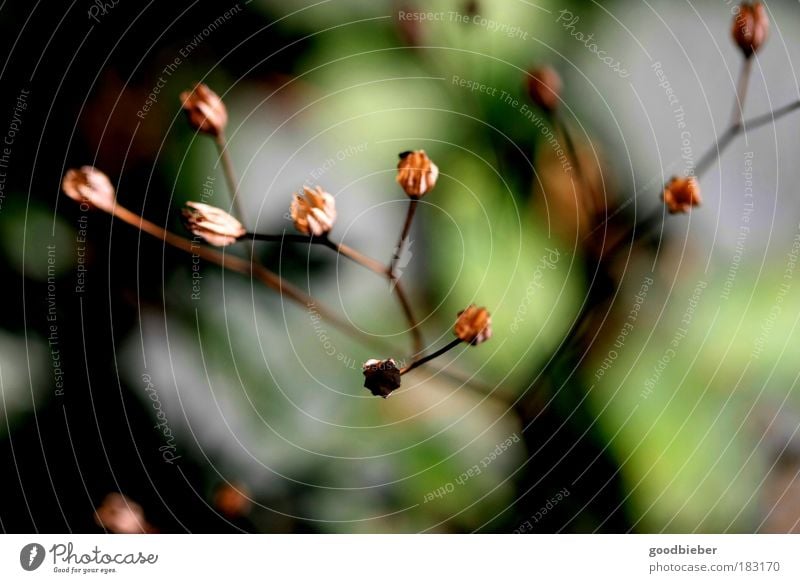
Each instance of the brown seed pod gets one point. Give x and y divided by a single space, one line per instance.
205 110
750 27
381 377
544 87
474 325
416 173
681 194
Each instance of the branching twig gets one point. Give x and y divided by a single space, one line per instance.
361 259
394 279
244 267
412 207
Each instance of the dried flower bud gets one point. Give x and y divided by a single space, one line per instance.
416 173
750 27
121 515
381 377
88 185
681 194
205 110
314 213
544 87
232 500
410 29
474 325
212 224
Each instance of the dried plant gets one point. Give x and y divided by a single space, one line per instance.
118 514
314 211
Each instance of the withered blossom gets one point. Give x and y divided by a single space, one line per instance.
119 514
381 377
416 173
474 325
89 185
681 194
750 27
314 211
232 500
212 224
205 110
544 87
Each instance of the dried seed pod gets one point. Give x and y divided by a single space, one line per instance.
212 224
381 377
416 173
89 185
750 27
313 212
205 110
544 87
681 194
121 515
232 500
474 325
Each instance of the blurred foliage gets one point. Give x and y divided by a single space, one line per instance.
255 393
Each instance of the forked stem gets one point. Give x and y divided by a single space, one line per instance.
242 266
412 208
361 259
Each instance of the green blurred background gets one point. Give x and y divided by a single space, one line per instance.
650 391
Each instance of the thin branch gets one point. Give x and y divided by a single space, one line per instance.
230 174
282 238
356 256
277 283
572 152
394 279
244 267
709 158
361 259
431 356
416 335
349 252
233 183
771 116
412 207
715 151
741 93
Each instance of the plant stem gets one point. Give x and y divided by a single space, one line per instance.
394 279
405 304
361 259
356 256
230 174
431 356
712 155
561 127
244 267
283 237
412 207
233 184
741 93
771 116
349 252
